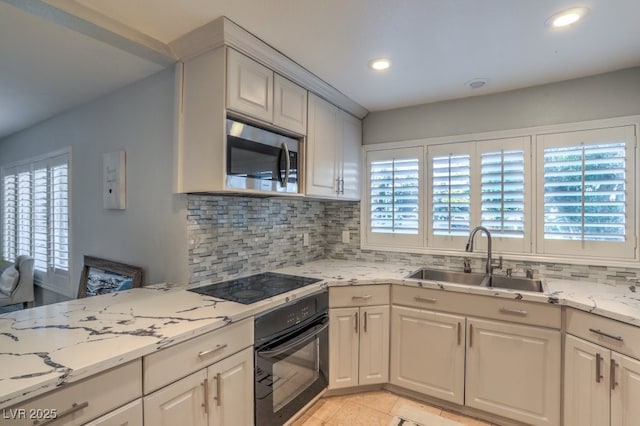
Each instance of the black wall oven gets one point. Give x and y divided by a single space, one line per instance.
260 159
291 358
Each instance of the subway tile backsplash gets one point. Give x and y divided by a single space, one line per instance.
233 235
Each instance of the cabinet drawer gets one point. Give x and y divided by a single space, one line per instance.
612 334
539 314
359 295
129 415
77 403
170 364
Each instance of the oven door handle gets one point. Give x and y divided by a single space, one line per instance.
271 353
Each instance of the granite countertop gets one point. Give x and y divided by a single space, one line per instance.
48 346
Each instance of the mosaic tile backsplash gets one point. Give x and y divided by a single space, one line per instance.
231 236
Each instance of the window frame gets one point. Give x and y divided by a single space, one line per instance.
393 239
532 247
590 249
54 279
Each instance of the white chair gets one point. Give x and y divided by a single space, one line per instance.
20 290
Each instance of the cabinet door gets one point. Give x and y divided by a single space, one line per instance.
374 345
322 145
625 391
586 396
289 105
427 354
249 87
350 163
343 347
128 415
181 403
514 371
231 390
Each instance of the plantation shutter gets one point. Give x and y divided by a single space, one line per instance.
394 196
584 192
59 257
502 193
40 215
451 200
9 213
23 207
584 199
35 217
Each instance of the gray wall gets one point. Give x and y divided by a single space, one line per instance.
138 119
608 95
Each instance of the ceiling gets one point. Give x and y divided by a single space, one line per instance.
58 54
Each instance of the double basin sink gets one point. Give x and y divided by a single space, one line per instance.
477 279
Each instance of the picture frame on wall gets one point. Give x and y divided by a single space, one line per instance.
101 276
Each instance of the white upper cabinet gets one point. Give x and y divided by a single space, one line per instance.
258 93
289 105
334 140
249 87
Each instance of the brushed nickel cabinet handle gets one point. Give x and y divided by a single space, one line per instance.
513 311
206 396
74 408
425 299
602 333
614 364
598 368
218 396
459 335
470 335
365 321
367 297
210 352
356 316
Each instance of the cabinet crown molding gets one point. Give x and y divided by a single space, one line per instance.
224 32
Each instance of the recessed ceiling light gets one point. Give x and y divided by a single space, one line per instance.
379 64
477 83
566 17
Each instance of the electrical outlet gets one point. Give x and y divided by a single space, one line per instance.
305 239
346 237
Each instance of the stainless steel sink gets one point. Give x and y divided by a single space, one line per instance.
474 278
516 283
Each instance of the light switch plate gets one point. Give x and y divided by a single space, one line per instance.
114 175
346 237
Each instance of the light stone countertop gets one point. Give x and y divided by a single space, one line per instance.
48 346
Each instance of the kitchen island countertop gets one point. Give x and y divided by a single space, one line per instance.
45 347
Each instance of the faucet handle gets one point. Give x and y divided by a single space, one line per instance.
498 265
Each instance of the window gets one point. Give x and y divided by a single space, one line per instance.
563 193
35 215
394 196
586 203
504 176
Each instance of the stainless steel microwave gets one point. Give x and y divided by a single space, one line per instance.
261 160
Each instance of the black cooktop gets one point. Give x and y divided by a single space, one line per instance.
254 288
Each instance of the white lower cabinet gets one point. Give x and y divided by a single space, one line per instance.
602 387
231 390
128 415
358 346
427 352
182 402
221 394
514 371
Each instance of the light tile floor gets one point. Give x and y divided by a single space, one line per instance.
369 409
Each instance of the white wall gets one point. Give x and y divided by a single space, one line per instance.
138 119
608 95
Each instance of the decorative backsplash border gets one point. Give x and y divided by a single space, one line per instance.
232 236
